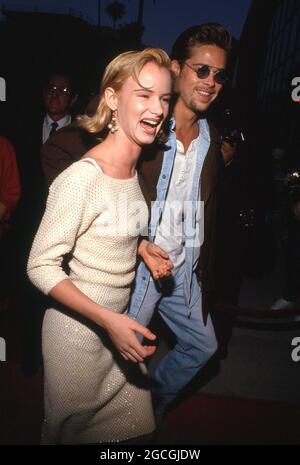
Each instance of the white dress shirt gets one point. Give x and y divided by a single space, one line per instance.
48 122
169 234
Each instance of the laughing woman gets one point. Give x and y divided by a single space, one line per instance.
94 393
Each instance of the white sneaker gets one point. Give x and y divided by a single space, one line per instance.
282 304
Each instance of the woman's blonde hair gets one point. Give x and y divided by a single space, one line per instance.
117 71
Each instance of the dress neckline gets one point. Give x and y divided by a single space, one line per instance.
96 164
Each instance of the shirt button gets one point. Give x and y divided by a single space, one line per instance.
164 176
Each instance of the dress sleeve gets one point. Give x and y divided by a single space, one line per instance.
64 219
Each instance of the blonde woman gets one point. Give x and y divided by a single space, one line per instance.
96 211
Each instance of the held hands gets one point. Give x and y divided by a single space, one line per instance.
156 259
121 330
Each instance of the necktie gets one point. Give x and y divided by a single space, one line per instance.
54 126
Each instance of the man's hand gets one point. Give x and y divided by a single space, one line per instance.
228 152
156 259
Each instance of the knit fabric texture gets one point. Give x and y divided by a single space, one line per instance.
91 395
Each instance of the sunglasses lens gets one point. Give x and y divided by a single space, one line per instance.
221 77
203 72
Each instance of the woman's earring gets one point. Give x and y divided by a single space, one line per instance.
112 126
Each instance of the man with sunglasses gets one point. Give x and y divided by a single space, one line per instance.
180 181
58 98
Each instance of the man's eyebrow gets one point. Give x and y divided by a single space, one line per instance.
206 64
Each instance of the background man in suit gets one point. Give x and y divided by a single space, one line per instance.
58 98
52 112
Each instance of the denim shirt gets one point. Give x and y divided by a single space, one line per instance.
192 252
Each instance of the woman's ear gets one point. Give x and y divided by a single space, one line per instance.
111 98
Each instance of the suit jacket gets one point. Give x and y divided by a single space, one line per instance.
71 143
64 147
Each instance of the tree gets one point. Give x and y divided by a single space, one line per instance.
115 10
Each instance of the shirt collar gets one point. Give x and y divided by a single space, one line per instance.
203 127
61 122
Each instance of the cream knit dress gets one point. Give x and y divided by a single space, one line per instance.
91 394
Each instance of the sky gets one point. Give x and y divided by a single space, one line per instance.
164 20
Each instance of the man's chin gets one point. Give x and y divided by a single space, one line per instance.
56 115
200 108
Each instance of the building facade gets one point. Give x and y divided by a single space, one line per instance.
269 62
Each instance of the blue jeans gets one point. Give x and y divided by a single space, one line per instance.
195 342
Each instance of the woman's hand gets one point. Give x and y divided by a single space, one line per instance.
121 330
156 259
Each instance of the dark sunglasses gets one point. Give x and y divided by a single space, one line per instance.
204 71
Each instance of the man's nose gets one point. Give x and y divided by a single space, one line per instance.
55 93
210 79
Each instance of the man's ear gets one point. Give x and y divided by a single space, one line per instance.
111 98
175 68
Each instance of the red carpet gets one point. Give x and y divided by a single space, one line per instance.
201 419
208 419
